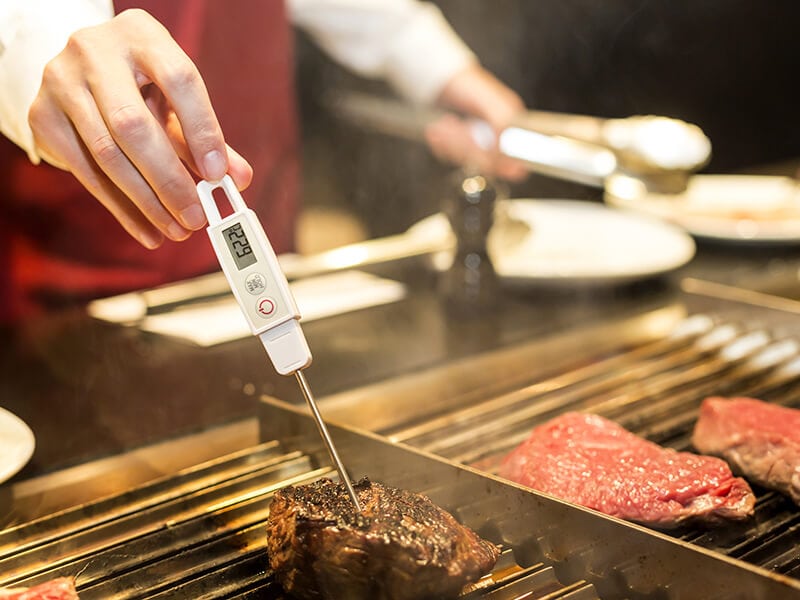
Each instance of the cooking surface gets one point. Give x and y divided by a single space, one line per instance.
200 532
215 544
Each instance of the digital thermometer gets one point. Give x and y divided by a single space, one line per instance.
260 287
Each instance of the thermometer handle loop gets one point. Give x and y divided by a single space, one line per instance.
205 189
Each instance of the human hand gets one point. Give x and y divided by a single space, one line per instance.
126 111
476 93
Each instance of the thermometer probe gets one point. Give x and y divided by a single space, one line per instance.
260 287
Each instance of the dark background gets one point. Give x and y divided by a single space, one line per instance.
727 65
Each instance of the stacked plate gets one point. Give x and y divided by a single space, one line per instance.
734 208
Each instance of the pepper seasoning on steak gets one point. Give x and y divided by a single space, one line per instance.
400 546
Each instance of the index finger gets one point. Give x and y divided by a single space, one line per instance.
181 83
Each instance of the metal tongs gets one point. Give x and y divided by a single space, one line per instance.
659 151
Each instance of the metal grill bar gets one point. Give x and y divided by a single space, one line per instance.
629 400
244 578
520 409
185 566
505 397
53 556
14 540
223 534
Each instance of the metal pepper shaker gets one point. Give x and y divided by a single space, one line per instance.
471 282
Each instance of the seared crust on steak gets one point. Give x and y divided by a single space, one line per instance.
401 546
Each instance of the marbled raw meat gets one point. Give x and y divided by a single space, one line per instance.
62 588
760 440
592 461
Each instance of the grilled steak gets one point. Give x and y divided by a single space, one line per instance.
760 440
591 461
62 588
400 546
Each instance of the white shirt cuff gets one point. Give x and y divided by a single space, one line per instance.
32 32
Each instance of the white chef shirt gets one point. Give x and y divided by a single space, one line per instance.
406 42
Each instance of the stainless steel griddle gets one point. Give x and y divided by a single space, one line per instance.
200 532
652 388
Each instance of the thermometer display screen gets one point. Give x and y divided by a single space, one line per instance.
239 246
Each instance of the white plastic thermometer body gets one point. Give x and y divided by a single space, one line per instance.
253 272
263 294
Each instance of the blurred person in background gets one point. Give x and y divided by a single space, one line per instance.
112 114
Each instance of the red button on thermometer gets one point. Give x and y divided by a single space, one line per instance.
260 287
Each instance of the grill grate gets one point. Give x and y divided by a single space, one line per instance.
200 534
655 391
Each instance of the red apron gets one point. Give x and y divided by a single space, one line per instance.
58 245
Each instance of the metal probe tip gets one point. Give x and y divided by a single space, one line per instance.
326 437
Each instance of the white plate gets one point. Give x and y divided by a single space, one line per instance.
740 208
571 241
16 444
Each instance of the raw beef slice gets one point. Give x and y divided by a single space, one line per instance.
760 440
589 460
62 588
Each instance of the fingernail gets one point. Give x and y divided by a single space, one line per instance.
150 240
176 232
214 166
193 217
